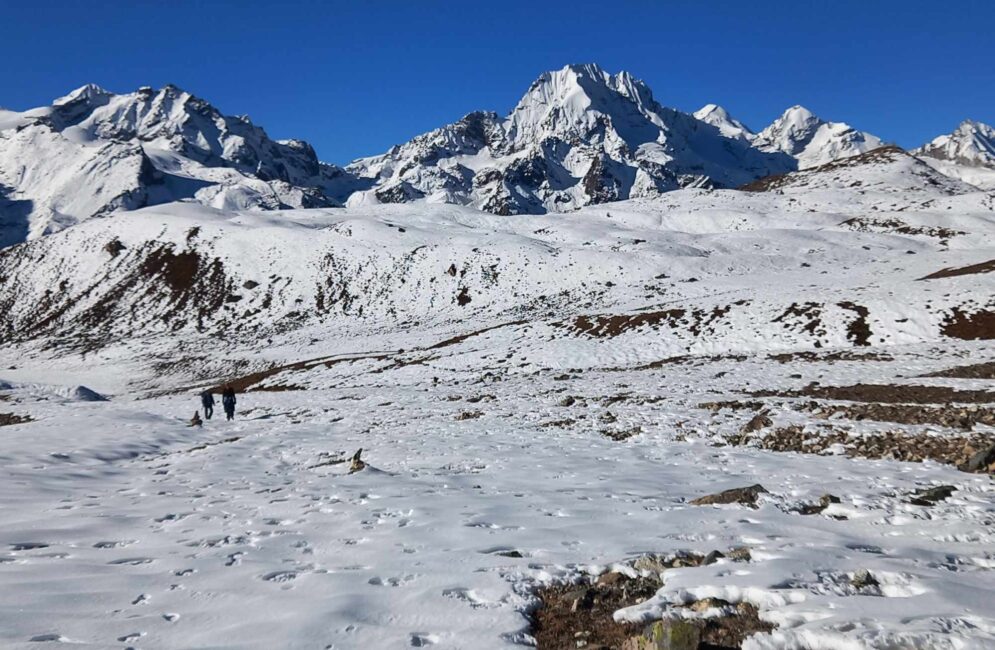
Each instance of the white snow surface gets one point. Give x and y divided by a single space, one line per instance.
121 526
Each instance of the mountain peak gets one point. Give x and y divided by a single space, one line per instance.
720 118
798 115
87 92
972 143
812 140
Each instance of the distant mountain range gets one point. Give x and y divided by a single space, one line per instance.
579 136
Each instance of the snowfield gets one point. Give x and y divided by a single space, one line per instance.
539 399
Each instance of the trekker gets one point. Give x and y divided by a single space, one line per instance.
228 401
207 401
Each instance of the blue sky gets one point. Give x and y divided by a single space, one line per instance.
353 78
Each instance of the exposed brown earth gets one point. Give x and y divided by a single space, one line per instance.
954 417
8 419
612 325
829 357
983 267
974 371
976 326
888 393
865 224
582 616
951 450
769 183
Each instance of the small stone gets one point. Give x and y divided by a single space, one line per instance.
739 554
863 579
706 604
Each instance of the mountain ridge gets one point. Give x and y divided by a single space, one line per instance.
578 136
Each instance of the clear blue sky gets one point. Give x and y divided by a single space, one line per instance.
355 77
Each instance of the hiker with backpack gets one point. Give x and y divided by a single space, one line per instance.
207 401
228 402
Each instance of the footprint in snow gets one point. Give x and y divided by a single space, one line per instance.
133 561
422 639
280 576
42 638
392 581
114 543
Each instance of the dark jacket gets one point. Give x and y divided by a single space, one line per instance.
228 398
207 398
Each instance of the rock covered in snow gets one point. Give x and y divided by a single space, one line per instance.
84 394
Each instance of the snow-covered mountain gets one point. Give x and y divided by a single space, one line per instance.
92 152
968 154
813 141
579 136
189 268
727 125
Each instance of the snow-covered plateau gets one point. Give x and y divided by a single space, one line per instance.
551 407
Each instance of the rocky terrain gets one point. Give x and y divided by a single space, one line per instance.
752 408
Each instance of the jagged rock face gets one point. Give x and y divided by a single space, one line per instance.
93 152
813 141
971 144
579 136
967 154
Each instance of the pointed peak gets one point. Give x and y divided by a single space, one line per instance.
88 92
798 113
971 126
711 110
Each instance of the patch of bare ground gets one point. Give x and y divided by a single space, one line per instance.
685 360
582 615
829 357
250 382
622 434
893 225
888 393
886 153
971 453
9 419
973 371
983 267
462 337
976 326
610 326
954 417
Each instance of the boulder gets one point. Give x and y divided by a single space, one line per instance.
357 463
932 496
84 394
744 495
981 461
668 634
757 422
